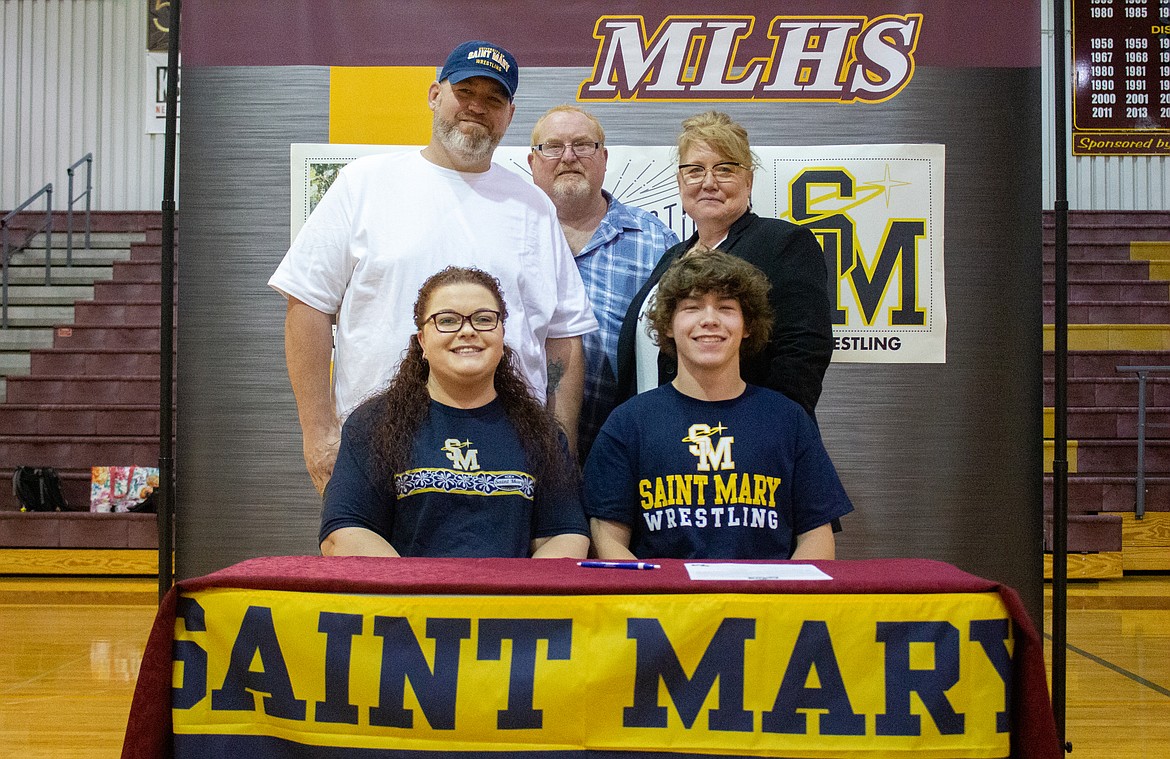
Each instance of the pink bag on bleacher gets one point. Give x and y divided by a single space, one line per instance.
120 488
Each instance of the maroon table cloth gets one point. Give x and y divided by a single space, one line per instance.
149 731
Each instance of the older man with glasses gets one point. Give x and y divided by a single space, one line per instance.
614 245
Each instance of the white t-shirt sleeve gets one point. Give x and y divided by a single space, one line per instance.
573 314
645 349
317 268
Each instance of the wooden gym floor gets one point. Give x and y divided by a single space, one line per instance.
71 647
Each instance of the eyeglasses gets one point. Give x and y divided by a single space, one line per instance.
483 320
556 149
693 173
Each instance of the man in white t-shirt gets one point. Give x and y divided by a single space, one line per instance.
390 221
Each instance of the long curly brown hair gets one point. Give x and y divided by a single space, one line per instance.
400 410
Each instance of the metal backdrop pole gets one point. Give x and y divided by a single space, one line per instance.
166 533
1060 384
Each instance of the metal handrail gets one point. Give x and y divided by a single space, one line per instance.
46 227
1139 509
87 159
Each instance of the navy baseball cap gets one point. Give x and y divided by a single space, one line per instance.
477 58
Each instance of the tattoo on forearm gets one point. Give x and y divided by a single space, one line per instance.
556 371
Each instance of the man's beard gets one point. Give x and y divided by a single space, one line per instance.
472 148
570 187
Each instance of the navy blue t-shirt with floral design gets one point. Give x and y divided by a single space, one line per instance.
468 493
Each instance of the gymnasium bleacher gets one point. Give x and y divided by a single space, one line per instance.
1119 315
80 366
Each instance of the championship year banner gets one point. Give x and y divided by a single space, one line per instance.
817 675
876 209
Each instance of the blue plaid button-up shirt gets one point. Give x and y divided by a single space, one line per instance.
616 262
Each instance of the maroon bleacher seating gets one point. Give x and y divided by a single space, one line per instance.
1107 287
92 398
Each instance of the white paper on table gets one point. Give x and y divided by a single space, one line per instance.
755 572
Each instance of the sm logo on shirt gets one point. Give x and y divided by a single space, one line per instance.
462 455
711 456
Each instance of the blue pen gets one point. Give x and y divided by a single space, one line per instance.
617 564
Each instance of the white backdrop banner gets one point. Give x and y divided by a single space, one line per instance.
876 209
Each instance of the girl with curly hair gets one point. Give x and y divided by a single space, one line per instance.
455 457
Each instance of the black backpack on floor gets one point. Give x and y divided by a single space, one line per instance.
38 489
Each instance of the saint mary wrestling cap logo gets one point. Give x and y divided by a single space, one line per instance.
482 59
